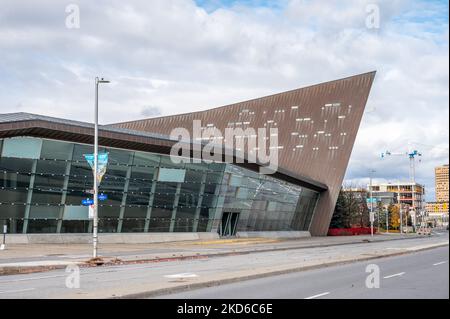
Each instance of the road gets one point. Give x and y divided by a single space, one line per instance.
124 280
418 275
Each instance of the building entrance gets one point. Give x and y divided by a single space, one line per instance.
227 227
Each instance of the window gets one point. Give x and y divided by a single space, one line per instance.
22 147
56 150
171 175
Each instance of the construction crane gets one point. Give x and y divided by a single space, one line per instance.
412 161
411 154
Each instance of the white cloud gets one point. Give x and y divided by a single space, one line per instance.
171 56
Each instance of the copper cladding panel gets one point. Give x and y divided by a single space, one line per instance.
324 116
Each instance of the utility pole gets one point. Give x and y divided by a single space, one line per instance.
95 217
371 203
387 221
400 210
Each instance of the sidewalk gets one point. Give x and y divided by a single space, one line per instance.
19 258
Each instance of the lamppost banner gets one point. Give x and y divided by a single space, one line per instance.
102 162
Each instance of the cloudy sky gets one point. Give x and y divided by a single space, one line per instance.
170 56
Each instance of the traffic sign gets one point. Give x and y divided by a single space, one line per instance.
87 202
102 196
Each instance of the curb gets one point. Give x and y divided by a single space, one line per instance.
212 283
16 270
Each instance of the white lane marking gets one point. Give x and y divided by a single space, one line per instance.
182 275
394 275
18 290
318 295
440 263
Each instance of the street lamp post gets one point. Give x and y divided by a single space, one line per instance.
95 217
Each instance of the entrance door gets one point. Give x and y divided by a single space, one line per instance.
227 227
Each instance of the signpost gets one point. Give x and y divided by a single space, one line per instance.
90 202
371 201
87 202
372 219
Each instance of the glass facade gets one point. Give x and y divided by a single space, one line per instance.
44 181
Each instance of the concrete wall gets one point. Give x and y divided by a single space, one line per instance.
140 238
273 234
124 238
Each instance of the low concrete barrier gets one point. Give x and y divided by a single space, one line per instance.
273 234
123 238
140 238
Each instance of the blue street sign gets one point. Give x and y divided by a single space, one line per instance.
374 200
102 196
87 202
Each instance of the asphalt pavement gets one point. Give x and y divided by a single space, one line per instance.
146 280
422 275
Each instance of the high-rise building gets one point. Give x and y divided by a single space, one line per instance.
438 210
441 183
406 193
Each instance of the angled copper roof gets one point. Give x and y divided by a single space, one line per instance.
317 129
